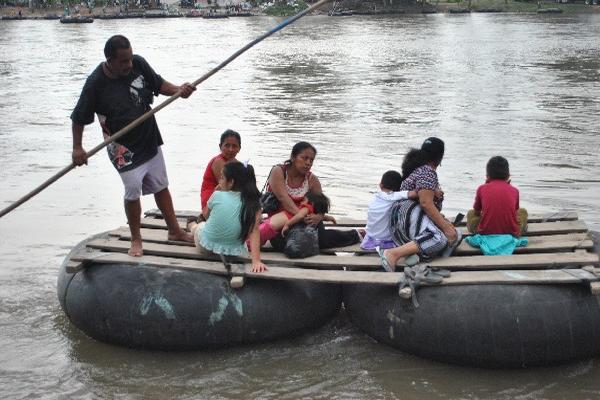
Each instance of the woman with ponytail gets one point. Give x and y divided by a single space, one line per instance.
232 216
412 232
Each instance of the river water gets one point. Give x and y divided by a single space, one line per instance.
362 90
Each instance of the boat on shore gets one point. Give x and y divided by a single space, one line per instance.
549 11
536 307
214 15
76 19
340 13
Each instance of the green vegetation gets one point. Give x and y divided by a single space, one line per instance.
512 6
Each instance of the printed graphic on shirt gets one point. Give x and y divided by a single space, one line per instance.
134 89
118 154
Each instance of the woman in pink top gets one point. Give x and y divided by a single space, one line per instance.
230 145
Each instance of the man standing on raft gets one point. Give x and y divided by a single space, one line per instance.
120 90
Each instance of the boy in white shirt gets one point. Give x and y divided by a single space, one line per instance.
379 213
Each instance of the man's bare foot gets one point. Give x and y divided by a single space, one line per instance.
181 236
136 249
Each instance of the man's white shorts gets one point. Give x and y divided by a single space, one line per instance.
148 178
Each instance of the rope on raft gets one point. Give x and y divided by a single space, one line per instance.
165 103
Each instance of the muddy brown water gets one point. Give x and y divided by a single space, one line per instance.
362 90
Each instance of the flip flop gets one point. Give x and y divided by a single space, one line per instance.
384 262
189 221
411 260
361 233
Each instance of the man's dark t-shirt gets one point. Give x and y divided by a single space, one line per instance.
117 103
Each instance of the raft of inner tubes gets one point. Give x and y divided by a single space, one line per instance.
170 309
477 325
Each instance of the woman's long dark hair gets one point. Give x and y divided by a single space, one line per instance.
244 181
432 150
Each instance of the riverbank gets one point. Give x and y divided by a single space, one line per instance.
12 13
351 8
465 6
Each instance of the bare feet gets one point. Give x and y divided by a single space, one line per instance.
136 249
181 236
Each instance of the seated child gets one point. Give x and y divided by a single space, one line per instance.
496 208
313 203
232 216
378 216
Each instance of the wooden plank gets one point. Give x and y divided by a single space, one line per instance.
521 261
155 223
539 217
149 235
534 229
555 228
345 277
537 244
74 266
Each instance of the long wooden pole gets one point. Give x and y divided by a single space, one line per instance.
165 103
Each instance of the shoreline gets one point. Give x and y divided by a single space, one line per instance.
12 12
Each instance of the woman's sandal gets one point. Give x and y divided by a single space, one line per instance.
361 232
189 221
384 261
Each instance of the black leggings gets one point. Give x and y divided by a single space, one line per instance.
328 238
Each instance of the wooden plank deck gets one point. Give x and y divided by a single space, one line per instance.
534 229
540 217
346 277
515 261
537 244
557 253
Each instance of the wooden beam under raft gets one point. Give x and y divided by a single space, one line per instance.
571 276
537 244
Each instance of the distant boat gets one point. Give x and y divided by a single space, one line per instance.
76 19
344 13
215 15
549 11
241 14
162 14
459 11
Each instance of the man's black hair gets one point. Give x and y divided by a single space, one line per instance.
115 43
391 180
497 168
